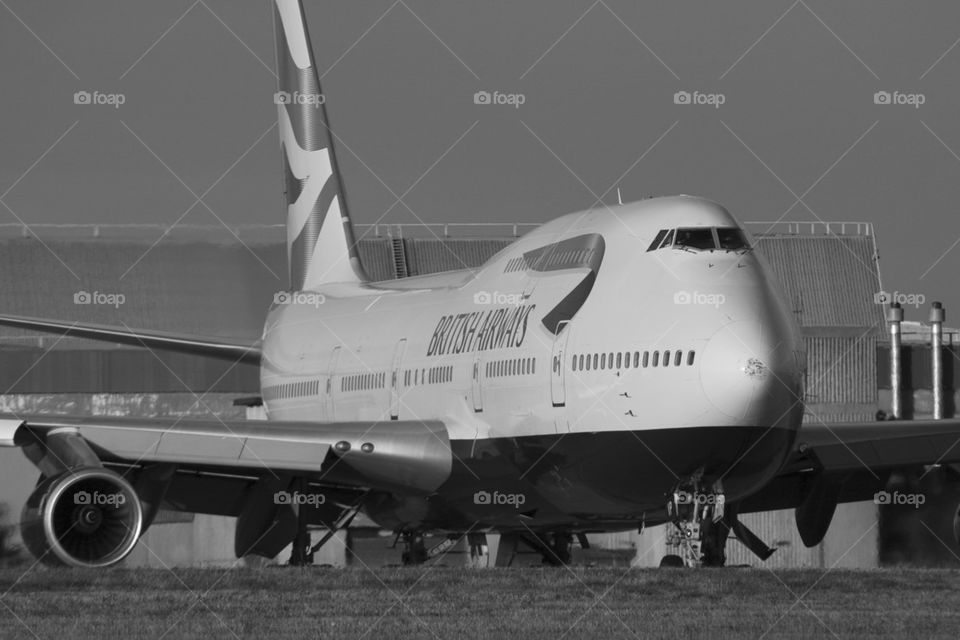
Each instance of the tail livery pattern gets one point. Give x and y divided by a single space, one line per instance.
320 242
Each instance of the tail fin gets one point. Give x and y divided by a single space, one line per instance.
320 242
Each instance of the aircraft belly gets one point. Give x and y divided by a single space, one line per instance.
578 478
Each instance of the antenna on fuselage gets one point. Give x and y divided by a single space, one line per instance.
619 197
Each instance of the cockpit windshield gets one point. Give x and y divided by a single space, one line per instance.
731 239
701 239
695 238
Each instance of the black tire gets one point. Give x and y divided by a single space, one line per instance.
671 562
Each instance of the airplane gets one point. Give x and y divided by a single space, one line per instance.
615 368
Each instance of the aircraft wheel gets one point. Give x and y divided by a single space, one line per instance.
671 562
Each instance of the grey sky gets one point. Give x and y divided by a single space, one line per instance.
798 80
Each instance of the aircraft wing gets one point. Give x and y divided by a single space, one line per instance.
248 351
849 462
104 480
879 445
410 455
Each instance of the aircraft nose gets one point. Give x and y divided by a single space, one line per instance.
749 374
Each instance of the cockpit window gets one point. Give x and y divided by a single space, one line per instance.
668 240
732 239
701 239
695 238
656 241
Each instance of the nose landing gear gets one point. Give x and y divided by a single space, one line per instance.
699 529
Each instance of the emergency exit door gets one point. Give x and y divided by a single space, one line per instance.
395 379
558 390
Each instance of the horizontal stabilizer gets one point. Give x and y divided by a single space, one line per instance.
178 342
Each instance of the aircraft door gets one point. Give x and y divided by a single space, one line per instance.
476 384
328 402
395 379
558 391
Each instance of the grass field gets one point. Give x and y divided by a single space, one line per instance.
450 603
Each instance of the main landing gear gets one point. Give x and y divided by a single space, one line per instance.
700 529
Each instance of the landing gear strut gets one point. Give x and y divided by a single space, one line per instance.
414 549
699 531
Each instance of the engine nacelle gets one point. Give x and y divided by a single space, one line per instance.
90 517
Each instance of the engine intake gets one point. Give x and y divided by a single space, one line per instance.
91 517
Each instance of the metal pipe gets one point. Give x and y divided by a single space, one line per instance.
937 316
894 318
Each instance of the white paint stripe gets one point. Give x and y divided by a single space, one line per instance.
312 166
295 32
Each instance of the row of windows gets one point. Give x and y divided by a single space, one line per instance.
291 390
552 258
623 360
363 381
513 367
433 375
359 382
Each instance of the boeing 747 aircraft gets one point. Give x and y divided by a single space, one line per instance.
557 390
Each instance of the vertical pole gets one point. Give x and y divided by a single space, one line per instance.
894 318
937 316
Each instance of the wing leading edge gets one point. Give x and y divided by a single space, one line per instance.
412 456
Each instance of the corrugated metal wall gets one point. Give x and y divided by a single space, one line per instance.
121 371
841 369
916 366
433 255
205 288
829 281
377 258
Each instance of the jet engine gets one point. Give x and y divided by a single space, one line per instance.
89 517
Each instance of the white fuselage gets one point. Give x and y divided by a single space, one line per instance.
357 353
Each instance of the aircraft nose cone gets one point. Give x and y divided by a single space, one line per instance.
746 374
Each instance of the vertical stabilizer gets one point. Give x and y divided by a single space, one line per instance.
320 242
